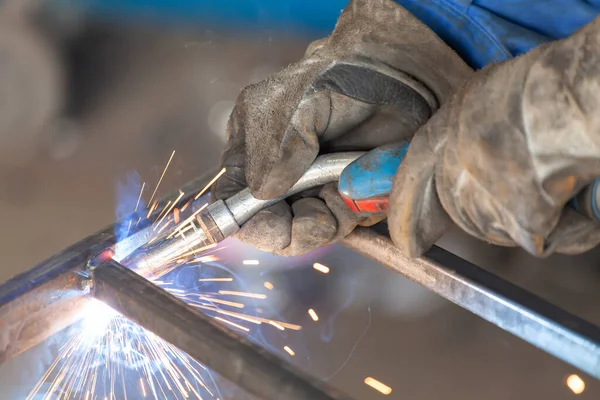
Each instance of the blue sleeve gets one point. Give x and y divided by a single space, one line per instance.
314 18
481 31
485 31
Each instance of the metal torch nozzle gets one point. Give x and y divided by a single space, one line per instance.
222 219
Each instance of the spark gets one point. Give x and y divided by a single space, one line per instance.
276 325
95 361
152 208
221 301
188 220
137 223
163 210
321 268
181 194
289 351
209 184
313 315
240 316
379 386
161 177
137 204
175 290
243 294
233 324
194 251
215 280
164 226
186 205
207 259
245 317
576 384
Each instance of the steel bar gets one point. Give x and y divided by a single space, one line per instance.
513 309
232 356
45 299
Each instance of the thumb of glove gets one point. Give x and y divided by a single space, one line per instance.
416 218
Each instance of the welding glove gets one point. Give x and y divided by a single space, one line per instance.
378 77
503 157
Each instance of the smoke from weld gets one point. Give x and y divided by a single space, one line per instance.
128 200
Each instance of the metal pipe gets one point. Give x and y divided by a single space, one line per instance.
326 168
232 356
46 298
515 310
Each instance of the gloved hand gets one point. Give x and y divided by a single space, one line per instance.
378 77
503 157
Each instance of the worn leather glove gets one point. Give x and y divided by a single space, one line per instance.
378 77
504 156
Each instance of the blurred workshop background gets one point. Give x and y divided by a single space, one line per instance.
93 90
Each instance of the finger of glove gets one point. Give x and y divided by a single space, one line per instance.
232 159
561 99
520 147
269 230
346 219
574 234
313 226
286 114
416 218
385 31
281 128
347 107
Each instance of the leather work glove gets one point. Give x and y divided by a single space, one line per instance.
502 158
378 77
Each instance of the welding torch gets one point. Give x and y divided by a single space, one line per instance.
364 182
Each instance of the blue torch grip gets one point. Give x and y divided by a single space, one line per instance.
587 202
365 184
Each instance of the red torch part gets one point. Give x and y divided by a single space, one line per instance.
376 205
350 204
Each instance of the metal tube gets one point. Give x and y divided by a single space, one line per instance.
326 168
232 356
46 298
515 310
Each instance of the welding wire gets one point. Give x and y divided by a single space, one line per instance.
227 353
